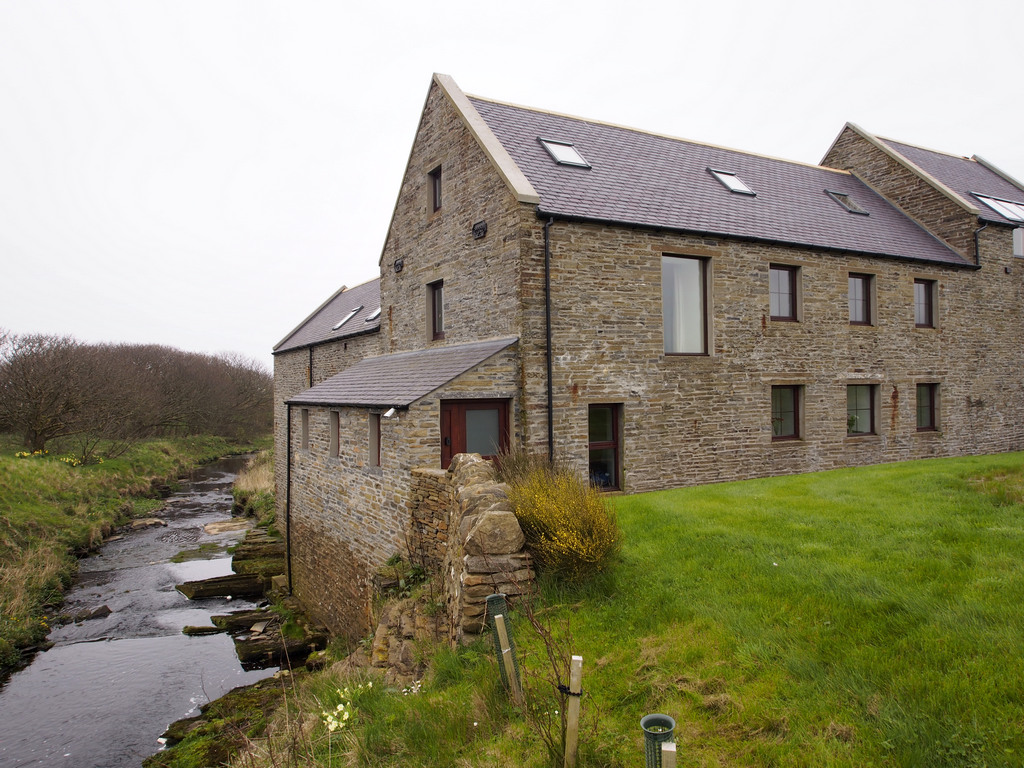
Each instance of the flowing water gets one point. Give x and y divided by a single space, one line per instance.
107 689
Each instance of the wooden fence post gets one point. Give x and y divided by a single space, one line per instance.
506 659
668 754
572 712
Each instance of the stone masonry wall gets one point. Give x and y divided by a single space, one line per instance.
921 201
350 515
480 275
483 546
430 501
295 372
707 418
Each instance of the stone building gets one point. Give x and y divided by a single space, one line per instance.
655 311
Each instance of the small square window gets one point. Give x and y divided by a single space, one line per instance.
860 409
927 411
786 413
924 303
732 182
435 189
564 153
860 287
782 291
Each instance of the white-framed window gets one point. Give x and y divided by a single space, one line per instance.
732 182
564 152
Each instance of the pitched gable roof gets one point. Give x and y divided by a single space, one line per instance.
967 176
398 380
322 326
644 179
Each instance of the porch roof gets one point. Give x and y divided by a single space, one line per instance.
398 380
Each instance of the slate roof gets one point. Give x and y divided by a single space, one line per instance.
964 176
319 326
645 179
398 380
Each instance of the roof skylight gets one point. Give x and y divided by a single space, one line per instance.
346 318
1009 209
564 153
846 201
372 316
732 182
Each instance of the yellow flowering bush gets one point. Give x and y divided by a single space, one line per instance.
569 527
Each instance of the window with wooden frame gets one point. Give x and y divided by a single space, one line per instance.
373 439
604 445
434 189
860 409
786 412
924 303
684 304
860 289
435 309
782 292
927 407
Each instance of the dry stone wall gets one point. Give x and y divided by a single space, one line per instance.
486 552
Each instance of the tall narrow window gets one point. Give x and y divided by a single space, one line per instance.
924 303
860 299
860 409
684 305
782 282
305 429
1018 242
604 445
786 413
373 448
926 410
335 434
435 306
434 178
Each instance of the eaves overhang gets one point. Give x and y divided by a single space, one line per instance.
958 261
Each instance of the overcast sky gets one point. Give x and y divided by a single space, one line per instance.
203 174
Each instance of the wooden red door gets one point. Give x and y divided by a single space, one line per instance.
473 426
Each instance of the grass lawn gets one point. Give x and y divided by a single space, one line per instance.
864 617
860 617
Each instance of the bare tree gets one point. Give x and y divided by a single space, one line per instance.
39 398
108 396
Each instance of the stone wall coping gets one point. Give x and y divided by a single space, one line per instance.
516 180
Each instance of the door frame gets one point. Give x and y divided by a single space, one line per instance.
453 425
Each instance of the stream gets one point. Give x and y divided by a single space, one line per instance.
110 686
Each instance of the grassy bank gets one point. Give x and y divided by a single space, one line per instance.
53 510
851 618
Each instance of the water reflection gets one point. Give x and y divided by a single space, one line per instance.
104 693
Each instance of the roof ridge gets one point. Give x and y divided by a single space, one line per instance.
952 155
656 134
